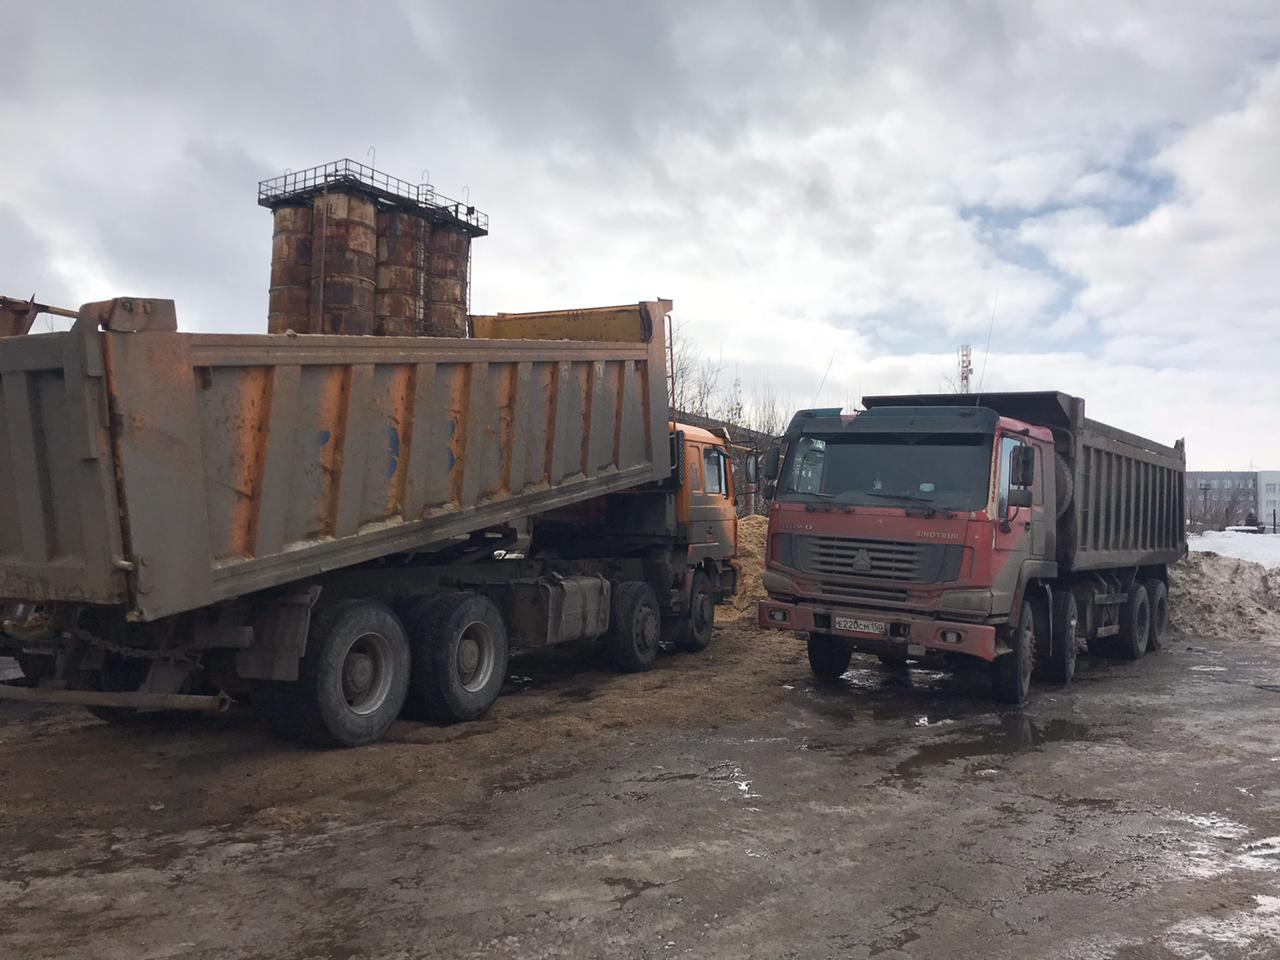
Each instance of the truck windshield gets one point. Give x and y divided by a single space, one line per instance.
946 470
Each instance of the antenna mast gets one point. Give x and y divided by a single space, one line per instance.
964 360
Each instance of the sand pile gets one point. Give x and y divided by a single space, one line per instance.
1214 596
751 549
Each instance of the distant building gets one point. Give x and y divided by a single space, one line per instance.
1221 498
1269 498
1224 498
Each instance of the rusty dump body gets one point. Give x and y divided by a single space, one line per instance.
168 471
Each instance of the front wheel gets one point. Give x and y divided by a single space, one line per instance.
1011 671
694 631
828 657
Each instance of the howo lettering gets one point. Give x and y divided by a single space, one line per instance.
1001 527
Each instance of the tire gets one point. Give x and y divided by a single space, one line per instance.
1065 484
1135 624
1158 600
694 631
634 627
828 657
460 653
352 681
1011 672
1060 664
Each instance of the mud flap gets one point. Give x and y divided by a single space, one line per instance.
279 637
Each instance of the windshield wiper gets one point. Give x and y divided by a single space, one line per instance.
905 495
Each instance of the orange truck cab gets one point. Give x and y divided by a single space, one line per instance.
684 530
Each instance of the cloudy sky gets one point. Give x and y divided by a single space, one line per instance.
859 187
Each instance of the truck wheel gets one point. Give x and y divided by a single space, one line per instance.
1011 672
634 627
828 657
460 655
1158 600
352 681
1135 624
1060 665
694 632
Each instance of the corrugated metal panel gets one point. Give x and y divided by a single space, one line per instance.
59 533
249 461
1128 507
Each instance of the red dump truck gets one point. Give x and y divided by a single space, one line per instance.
329 526
1002 527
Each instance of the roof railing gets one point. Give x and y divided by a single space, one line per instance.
346 172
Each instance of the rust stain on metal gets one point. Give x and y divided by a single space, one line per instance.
289 306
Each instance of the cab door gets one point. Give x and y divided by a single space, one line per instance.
1012 537
712 513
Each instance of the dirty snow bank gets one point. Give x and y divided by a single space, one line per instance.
1263 548
1221 596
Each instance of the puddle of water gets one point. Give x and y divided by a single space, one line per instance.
1013 734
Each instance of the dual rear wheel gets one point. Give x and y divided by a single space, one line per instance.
447 659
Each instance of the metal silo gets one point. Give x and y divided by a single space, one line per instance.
343 263
357 251
400 291
449 247
289 302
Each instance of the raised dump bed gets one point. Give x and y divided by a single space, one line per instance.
168 471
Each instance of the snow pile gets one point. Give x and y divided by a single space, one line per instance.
1213 596
1263 548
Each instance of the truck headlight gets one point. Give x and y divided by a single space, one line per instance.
966 601
778 584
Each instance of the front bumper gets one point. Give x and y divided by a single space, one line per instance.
908 634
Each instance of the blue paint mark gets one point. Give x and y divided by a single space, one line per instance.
393 443
323 437
452 458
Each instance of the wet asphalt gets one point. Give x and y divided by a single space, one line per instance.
1134 814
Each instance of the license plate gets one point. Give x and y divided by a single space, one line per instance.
878 627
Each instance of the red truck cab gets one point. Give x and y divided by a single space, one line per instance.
907 531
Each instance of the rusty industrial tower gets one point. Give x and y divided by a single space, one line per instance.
356 251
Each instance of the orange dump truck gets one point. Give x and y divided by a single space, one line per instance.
333 526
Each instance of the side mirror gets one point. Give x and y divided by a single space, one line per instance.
769 489
771 463
1022 467
753 468
1019 497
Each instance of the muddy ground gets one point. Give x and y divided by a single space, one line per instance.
722 805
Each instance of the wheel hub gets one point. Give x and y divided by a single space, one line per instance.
357 675
468 658
474 657
366 674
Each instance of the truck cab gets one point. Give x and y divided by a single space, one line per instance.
908 531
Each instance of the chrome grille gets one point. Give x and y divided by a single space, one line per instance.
866 559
